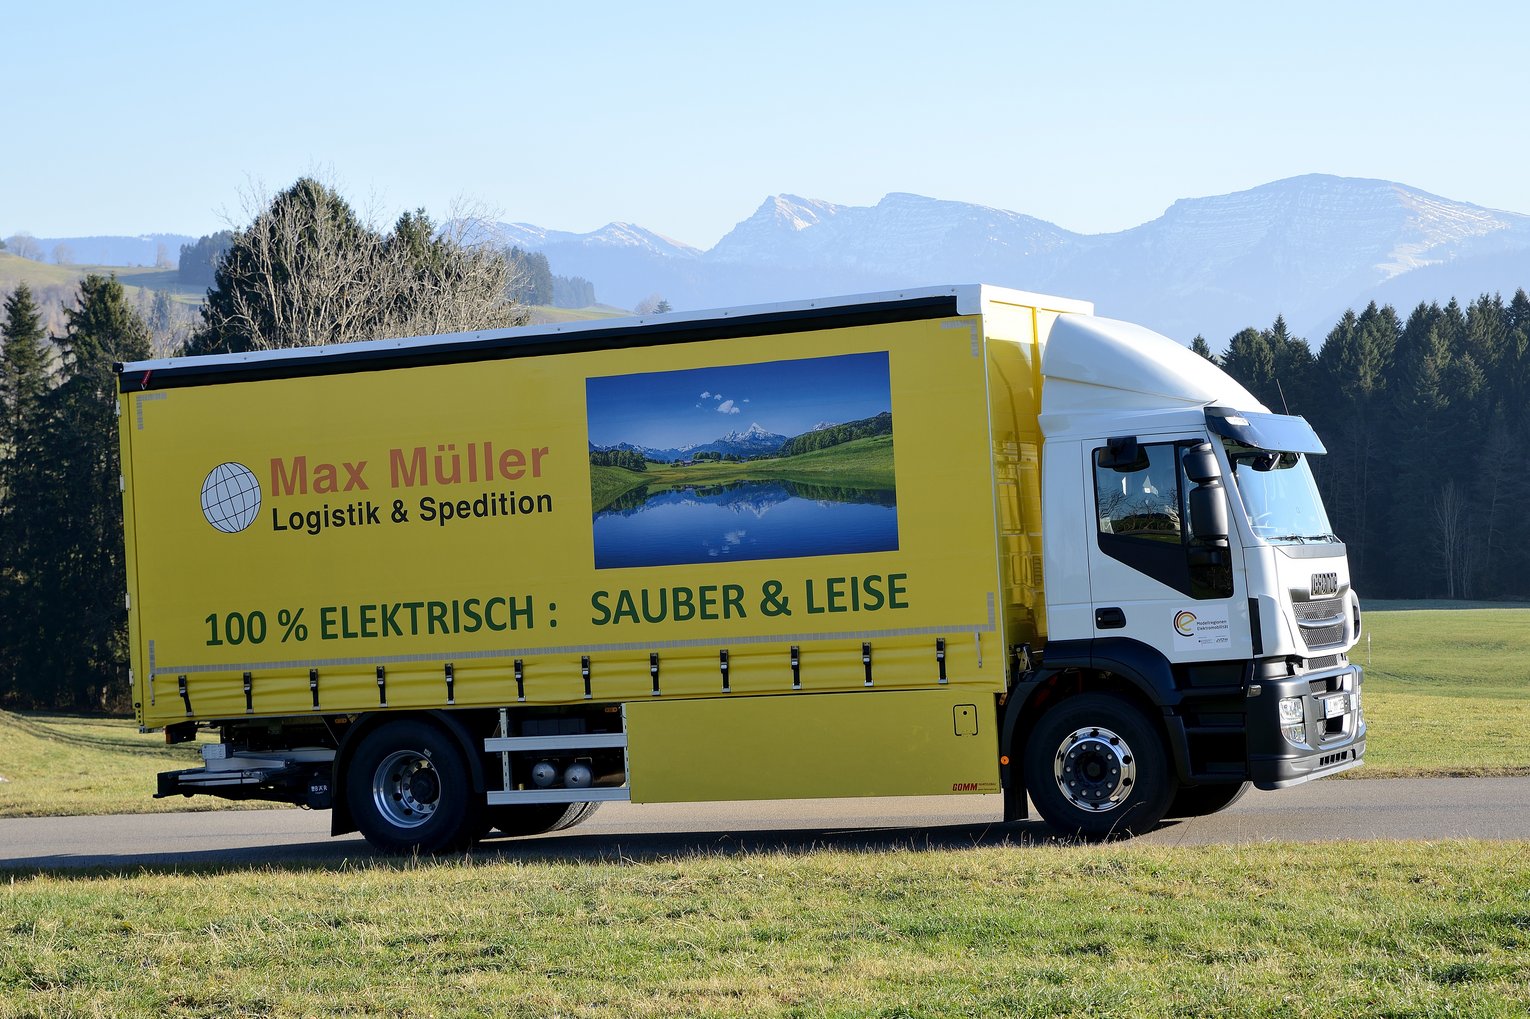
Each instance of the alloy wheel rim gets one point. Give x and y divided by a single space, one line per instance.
406 788
1095 769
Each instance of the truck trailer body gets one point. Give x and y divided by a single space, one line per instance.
947 540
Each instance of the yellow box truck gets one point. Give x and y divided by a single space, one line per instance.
949 540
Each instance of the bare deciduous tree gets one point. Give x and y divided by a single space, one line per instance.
1448 506
24 245
308 271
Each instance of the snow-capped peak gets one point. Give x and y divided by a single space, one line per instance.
754 431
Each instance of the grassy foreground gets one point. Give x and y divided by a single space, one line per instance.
58 765
1395 929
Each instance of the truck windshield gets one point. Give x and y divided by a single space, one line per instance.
1279 496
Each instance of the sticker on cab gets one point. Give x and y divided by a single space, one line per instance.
1207 629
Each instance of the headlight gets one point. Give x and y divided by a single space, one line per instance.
1293 722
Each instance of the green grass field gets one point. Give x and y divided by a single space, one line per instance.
1447 691
542 314
58 765
1364 929
1279 931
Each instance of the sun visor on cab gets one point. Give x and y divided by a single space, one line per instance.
1282 433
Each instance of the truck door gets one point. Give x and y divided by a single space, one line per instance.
1152 579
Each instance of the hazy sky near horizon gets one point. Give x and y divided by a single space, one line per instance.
683 117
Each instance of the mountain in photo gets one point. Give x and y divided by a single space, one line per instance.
752 441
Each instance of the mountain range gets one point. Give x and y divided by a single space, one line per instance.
752 441
1306 247
758 441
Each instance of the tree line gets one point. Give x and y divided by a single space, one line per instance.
631 459
836 435
1427 423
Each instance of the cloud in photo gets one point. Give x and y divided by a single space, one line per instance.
727 407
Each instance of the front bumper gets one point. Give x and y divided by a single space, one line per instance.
1334 739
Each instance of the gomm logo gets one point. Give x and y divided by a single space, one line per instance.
964 787
230 497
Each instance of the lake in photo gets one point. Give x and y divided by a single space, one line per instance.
770 519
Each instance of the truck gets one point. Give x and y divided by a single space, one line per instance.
949 540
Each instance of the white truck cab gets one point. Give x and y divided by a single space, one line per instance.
1202 575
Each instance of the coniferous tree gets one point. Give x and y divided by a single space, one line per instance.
1201 347
1349 410
85 652
1250 360
24 382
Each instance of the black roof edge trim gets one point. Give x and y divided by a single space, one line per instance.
509 345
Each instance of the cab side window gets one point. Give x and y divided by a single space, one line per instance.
1144 522
1142 499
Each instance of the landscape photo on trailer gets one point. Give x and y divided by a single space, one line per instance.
775 460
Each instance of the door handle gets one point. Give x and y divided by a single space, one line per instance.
1109 619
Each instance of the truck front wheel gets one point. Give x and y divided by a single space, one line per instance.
409 791
1095 766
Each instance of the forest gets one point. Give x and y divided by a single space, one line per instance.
1427 424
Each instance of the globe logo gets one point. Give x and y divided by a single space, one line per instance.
230 497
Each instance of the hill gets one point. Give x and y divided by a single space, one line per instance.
55 286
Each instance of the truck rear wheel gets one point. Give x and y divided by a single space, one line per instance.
1095 766
1201 800
409 790
538 818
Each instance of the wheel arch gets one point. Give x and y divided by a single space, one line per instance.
450 723
1115 665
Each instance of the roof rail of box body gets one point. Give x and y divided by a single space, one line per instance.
608 334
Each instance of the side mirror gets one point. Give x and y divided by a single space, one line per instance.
1201 464
1123 455
1208 514
1208 499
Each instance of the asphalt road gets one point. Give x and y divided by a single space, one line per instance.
1446 808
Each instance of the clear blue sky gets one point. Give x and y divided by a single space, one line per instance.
665 410
683 117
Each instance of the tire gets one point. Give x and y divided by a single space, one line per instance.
1096 767
1201 800
538 818
410 791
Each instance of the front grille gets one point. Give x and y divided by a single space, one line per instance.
1328 613
1342 755
1327 608
1323 636
1327 661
